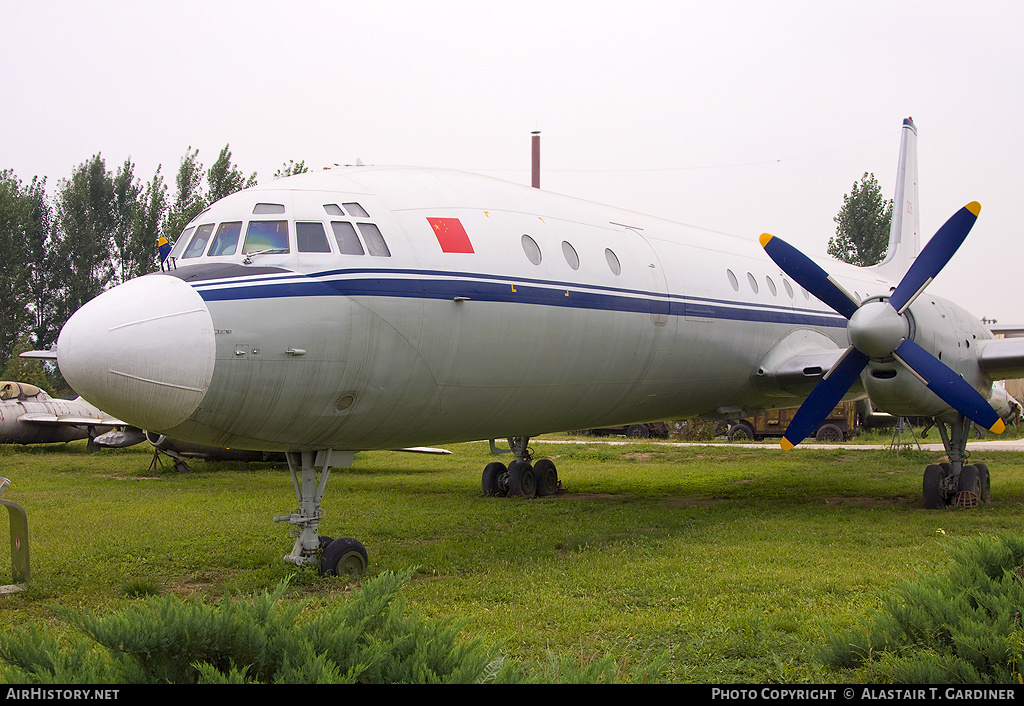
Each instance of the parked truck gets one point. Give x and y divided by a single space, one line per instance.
841 424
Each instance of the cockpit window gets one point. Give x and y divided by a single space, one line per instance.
180 243
266 209
311 237
374 240
348 241
226 240
333 209
266 237
198 244
356 210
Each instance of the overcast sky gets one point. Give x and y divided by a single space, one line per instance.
740 116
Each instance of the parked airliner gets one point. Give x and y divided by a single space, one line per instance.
388 307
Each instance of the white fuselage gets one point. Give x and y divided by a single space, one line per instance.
547 313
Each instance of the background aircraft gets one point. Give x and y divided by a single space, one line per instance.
373 308
28 415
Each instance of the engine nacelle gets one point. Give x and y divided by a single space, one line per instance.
951 335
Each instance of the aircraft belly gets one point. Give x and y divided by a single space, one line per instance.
482 369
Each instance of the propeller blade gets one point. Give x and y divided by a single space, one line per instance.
809 275
934 256
824 397
950 387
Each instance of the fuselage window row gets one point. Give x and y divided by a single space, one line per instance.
752 281
572 258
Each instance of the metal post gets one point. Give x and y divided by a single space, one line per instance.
536 159
19 542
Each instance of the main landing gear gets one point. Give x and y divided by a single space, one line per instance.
955 483
520 478
336 557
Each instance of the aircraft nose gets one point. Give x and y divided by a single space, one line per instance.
143 351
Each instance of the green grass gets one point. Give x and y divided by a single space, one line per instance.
731 560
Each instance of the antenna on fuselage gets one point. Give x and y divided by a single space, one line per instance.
536 159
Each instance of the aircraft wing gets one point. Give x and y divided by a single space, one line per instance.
1002 358
796 375
41 355
425 450
75 420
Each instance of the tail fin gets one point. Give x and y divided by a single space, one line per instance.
904 235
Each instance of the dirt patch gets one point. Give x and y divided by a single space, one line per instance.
105 475
860 502
693 502
596 496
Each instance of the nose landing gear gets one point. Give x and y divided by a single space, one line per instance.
956 483
336 557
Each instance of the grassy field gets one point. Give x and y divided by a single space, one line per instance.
730 560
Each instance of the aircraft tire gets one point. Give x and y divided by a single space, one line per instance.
546 476
522 483
492 482
638 431
344 557
932 487
970 487
985 482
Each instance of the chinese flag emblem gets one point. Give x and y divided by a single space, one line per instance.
450 234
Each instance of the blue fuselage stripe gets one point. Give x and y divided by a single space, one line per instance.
442 286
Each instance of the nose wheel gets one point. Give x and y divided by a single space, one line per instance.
334 557
955 482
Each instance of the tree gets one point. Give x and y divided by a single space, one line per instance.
189 200
15 227
862 232
85 224
19 369
290 168
43 326
139 213
224 178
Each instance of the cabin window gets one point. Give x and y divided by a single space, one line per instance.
333 209
356 210
752 281
345 236
267 209
199 241
266 237
732 280
771 286
375 244
570 255
226 240
613 262
788 286
531 249
311 237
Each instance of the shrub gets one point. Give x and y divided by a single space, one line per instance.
963 626
370 639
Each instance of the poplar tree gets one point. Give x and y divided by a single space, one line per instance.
862 232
